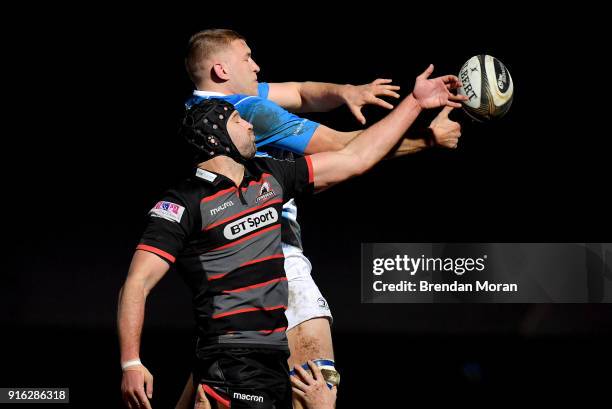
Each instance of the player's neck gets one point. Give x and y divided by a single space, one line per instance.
212 86
226 166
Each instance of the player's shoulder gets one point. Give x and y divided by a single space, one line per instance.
190 191
241 101
234 99
271 164
265 159
245 104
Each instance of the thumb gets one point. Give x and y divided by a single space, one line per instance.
447 110
356 110
149 386
427 72
201 400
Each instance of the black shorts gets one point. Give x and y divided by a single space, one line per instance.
245 378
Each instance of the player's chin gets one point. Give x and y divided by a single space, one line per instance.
250 154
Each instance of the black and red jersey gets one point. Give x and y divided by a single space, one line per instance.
226 243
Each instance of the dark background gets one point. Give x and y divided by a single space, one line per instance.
90 144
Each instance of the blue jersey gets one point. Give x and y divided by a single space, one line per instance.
274 127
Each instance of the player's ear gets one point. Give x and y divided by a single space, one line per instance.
220 70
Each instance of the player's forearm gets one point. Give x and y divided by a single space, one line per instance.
376 141
365 150
130 318
329 140
409 146
320 96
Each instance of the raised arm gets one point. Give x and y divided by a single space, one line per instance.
371 145
322 97
145 272
442 132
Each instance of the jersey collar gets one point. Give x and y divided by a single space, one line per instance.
251 172
200 93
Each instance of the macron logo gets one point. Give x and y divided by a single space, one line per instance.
243 396
222 207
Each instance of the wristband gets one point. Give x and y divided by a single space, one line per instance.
129 364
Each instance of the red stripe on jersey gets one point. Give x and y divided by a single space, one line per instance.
310 171
212 226
243 310
270 331
218 398
217 276
250 287
259 260
216 195
250 236
248 263
157 251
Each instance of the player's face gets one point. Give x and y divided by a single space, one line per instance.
243 70
242 135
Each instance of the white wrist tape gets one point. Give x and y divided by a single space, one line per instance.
128 364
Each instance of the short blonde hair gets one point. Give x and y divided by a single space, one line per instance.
204 44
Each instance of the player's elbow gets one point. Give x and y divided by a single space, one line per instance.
135 286
359 162
296 103
355 165
320 144
341 140
326 139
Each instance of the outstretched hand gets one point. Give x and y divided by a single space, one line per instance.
357 96
435 92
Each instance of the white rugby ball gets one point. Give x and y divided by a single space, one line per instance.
488 85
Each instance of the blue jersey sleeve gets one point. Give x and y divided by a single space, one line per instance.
263 89
275 127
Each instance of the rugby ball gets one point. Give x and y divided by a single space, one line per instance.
488 85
